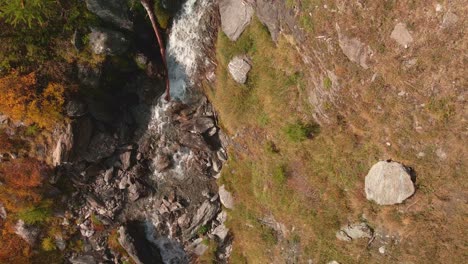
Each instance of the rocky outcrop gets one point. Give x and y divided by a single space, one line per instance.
401 35
354 231
106 41
27 232
388 183
239 67
64 147
114 11
267 13
235 17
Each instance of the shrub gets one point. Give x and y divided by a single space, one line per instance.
21 99
36 215
30 12
298 132
48 244
23 173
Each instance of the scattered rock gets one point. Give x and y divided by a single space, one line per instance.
401 35
106 41
226 197
449 20
198 125
205 213
114 11
354 231
239 67
76 108
388 183
333 262
26 232
162 162
85 259
126 160
60 243
235 17
354 49
221 232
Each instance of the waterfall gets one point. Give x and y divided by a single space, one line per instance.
185 46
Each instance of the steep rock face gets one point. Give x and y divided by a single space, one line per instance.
64 146
235 17
132 239
114 11
388 183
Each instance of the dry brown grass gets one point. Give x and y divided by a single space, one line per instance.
321 186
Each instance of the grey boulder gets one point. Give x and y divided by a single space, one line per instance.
114 11
354 231
388 183
226 197
239 67
106 41
235 17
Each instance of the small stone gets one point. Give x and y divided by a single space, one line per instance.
382 250
421 154
239 67
401 35
441 154
450 19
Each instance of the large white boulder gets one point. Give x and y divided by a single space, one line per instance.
239 67
388 183
235 17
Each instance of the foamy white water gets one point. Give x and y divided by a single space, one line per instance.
185 46
184 52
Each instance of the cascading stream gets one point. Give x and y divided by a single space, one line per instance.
184 53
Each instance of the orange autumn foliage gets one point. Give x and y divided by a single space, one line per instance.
21 99
22 173
22 179
6 144
13 249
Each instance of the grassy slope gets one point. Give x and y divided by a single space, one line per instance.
315 185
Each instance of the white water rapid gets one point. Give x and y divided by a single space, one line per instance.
184 53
